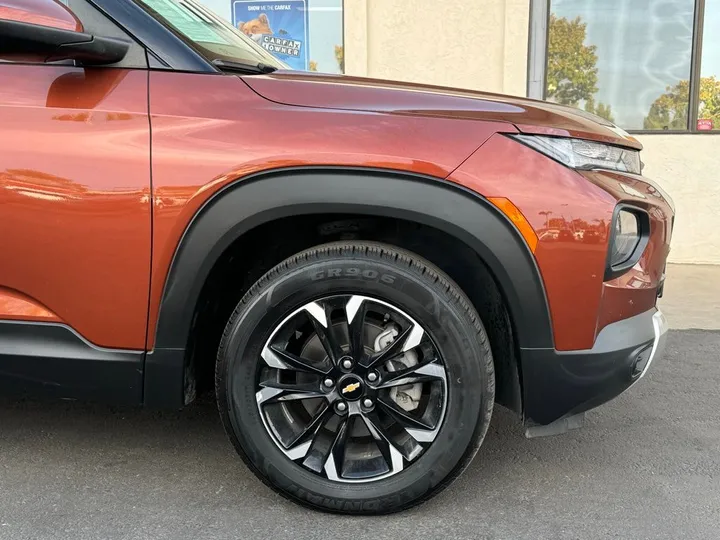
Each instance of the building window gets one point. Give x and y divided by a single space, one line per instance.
708 117
305 34
327 52
646 65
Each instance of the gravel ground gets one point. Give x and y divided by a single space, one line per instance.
646 465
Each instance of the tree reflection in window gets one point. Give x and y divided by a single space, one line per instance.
617 58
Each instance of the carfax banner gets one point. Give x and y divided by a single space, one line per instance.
280 27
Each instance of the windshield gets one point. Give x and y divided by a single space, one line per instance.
207 33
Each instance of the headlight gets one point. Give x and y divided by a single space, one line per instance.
581 154
628 239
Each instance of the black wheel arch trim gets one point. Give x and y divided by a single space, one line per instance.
263 197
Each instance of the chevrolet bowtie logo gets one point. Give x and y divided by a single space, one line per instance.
351 387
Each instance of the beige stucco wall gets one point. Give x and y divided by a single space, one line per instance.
688 168
467 44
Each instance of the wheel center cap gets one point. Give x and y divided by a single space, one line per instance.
351 388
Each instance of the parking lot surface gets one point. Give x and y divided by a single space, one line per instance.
646 465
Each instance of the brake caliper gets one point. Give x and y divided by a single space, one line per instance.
408 396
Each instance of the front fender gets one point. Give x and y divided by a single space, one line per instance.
259 199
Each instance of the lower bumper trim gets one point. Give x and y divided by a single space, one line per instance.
660 327
560 384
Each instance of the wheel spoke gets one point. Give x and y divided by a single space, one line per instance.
294 397
355 310
427 371
321 447
324 332
298 451
321 416
402 416
291 361
335 459
317 313
341 440
424 435
305 387
273 391
266 394
393 456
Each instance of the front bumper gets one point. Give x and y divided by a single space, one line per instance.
560 384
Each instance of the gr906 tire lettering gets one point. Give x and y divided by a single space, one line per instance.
354 273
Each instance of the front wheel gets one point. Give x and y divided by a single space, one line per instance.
355 377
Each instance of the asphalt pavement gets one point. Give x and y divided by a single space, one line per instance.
646 465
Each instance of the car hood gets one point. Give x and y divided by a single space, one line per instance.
305 89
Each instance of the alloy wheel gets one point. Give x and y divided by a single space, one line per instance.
351 388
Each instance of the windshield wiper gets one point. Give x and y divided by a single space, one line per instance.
227 65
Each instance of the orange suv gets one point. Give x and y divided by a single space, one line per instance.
360 268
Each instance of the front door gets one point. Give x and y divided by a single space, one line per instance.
75 222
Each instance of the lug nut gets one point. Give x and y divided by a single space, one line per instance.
341 406
347 363
372 376
328 383
367 403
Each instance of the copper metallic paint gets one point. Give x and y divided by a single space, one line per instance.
211 130
354 93
17 306
572 271
543 190
75 192
81 207
636 291
43 12
581 304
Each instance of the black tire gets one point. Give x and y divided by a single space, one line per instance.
421 290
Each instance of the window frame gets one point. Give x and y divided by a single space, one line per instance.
538 38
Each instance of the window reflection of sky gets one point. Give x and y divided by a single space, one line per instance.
711 40
643 46
326 31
